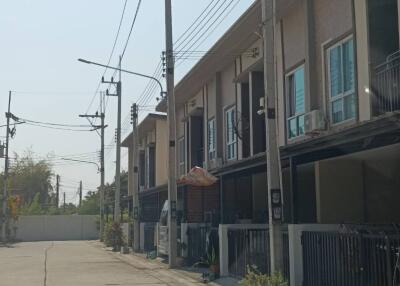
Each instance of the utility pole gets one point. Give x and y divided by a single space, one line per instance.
6 166
80 193
117 210
64 201
172 192
135 183
102 178
57 190
273 161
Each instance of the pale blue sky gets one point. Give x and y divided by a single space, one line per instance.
41 41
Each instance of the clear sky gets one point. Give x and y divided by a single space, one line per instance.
41 41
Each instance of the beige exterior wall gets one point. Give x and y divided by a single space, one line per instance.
332 20
161 152
195 102
180 124
228 93
293 27
211 98
247 59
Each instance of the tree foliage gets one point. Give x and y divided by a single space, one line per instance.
31 179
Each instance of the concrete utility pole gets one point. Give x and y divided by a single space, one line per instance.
273 165
80 193
117 210
5 179
102 178
57 191
172 192
135 181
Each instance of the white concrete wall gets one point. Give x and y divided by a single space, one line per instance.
57 227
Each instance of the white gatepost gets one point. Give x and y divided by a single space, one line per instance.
296 249
223 250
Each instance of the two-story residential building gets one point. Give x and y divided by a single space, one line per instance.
218 127
337 70
338 99
152 172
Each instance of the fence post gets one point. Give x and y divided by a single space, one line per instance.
223 250
388 262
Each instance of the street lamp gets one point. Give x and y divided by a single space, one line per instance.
125 71
88 162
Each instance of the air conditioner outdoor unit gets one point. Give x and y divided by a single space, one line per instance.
215 163
314 121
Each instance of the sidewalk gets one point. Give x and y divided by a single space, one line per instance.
187 276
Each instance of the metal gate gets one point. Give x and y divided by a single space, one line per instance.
335 259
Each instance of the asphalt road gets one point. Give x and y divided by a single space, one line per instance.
80 263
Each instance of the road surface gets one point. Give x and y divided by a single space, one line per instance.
80 263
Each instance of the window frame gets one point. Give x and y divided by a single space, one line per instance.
211 152
228 141
291 101
343 93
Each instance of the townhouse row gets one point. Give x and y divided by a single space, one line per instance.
337 66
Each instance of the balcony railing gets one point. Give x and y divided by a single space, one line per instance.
386 86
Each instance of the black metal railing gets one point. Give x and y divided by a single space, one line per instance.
286 257
385 92
200 238
336 259
149 233
248 247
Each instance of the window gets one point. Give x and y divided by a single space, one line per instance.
341 81
296 102
230 134
211 139
181 156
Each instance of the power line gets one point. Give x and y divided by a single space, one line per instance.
60 128
54 124
110 57
209 27
130 31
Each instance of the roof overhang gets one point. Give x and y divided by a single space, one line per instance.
244 32
148 124
366 135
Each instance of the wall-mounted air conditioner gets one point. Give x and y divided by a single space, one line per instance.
215 163
314 121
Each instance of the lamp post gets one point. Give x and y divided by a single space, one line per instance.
126 71
135 193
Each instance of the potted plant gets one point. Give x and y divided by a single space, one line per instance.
213 262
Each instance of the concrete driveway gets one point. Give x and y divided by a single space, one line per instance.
80 263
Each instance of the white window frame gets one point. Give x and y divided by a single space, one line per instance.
289 100
343 94
230 141
181 161
211 144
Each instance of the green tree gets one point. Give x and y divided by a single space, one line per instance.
90 204
31 180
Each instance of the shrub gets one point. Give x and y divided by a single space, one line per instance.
256 278
113 236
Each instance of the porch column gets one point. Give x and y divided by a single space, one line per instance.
360 13
293 190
